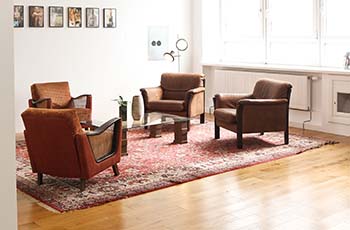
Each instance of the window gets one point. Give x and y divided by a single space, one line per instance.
336 37
292 32
242 32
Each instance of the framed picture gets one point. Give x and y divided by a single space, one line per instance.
55 16
92 17
109 18
74 17
18 16
36 16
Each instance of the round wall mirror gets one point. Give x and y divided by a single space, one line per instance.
181 44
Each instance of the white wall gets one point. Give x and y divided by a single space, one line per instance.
104 62
8 213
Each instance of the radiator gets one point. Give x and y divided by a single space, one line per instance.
226 81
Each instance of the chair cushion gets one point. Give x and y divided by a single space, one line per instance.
58 92
271 89
166 105
180 81
226 114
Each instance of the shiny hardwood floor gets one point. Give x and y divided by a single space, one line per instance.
306 191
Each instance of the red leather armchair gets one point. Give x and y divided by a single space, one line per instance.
180 94
58 146
56 95
265 110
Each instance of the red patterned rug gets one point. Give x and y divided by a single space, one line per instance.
155 163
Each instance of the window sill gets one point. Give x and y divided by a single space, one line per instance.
279 68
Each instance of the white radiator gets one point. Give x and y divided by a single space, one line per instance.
226 81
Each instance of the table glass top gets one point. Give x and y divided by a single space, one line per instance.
147 119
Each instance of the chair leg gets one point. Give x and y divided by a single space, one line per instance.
286 137
115 170
239 140
261 133
202 118
82 184
188 125
217 131
40 179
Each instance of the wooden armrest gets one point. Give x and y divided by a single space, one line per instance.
42 100
103 127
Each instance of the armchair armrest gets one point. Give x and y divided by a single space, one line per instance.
262 101
41 103
102 128
194 101
82 101
259 115
105 142
223 100
151 94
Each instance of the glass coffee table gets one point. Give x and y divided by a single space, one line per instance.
154 122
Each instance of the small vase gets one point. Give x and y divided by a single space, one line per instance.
136 108
123 111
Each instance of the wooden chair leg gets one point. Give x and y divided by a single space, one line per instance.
217 131
262 133
115 170
82 184
188 125
286 137
239 140
40 178
202 118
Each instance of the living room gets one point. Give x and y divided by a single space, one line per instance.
301 172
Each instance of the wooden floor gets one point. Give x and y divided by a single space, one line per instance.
307 191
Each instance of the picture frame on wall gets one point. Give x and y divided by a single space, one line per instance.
92 17
74 17
109 17
18 16
36 16
56 16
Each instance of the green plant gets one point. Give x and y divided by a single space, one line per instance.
121 101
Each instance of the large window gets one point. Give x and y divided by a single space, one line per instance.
294 32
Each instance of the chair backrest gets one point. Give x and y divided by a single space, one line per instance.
272 89
50 138
175 85
58 92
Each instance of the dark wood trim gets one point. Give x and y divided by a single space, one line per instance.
115 170
82 184
40 178
202 118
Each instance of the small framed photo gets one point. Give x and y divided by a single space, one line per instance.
36 16
109 17
18 16
74 17
92 17
55 16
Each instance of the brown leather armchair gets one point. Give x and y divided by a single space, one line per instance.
180 94
58 146
56 95
265 110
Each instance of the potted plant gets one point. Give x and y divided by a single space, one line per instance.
123 107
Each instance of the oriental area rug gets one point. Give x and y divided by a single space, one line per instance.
155 163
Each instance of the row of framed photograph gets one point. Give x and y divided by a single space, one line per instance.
56 17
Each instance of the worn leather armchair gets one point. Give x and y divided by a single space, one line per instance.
265 110
58 146
56 95
180 94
